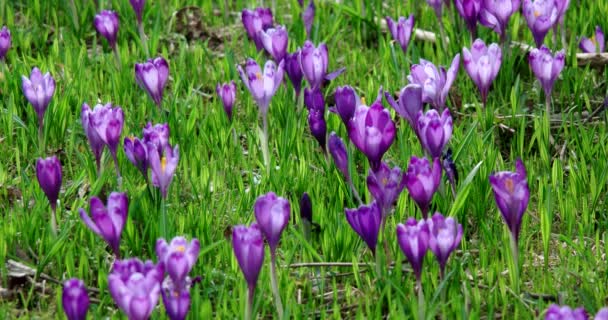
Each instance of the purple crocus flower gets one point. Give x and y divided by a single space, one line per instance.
106 23
318 127
546 66
254 21
445 235
386 185
422 181
437 6
108 221
158 135
275 41
413 238
75 299
175 299
135 287
435 82
409 104
294 71
227 93
95 140
366 222
163 166
152 76
401 30
562 7
308 16
48 172
541 15
482 64
138 7
38 90
248 246
372 131
469 11
314 62
495 14
555 312
178 258
306 207
346 103
5 42
136 152
434 131
272 216
602 314
262 86
313 99
512 195
596 44
337 149
107 121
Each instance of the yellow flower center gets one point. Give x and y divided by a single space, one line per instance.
163 163
363 101
181 248
509 184
384 181
258 75
593 40
536 14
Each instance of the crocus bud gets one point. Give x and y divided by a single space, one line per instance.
108 221
275 42
337 149
409 103
308 16
248 246
372 131
602 314
157 135
445 235
294 70
75 299
138 7
38 90
5 42
422 181
596 44
434 131
437 6
137 153
95 140
106 23
135 287
175 299
346 103
495 14
546 66
562 7
386 185
48 172
401 30
512 195
262 86
555 312
152 76
254 21
436 83
272 216
314 62
318 127
306 207
163 166
541 15
469 11
178 258
313 99
413 238
107 121
227 94
482 64
366 221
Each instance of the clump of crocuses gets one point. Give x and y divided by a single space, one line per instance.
227 94
107 221
5 42
152 76
541 15
495 14
546 68
135 287
596 44
272 215
248 246
401 30
38 90
75 299
436 82
482 64
254 21
103 126
48 172
556 312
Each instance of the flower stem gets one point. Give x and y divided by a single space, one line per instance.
548 103
515 253
142 36
118 177
163 217
249 308
98 166
54 219
354 190
41 145
444 40
421 310
117 57
264 142
275 287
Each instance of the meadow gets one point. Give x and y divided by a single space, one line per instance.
324 268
